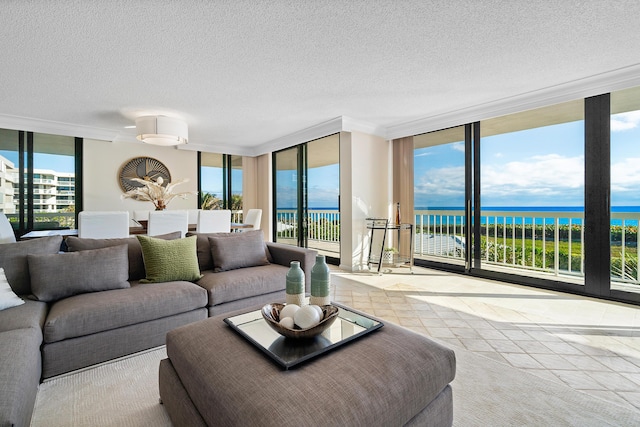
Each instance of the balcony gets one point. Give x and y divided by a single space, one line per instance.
533 242
546 244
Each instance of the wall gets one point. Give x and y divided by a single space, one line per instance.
256 189
365 191
102 161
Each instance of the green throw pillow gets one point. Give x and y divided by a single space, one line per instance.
168 260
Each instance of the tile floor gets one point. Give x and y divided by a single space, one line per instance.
591 345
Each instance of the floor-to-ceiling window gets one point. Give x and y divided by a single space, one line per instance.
306 196
439 196
554 200
39 185
220 183
625 185
532 193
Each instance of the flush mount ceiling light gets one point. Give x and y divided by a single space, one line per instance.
161 130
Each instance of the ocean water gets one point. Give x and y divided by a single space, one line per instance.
630 220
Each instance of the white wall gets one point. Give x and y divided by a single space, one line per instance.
102 161
364 192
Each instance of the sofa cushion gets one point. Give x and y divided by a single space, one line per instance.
20 368
62 275
136 263
31 314
239 251
168 260
87 314
13 258
205 260
8 298
233 285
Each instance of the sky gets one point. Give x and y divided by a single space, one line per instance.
535 167
323 185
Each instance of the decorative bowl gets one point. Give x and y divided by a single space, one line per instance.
271 313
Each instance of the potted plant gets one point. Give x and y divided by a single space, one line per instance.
388 254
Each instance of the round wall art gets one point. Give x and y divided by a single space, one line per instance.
146 168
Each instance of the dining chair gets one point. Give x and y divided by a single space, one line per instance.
214 221
193 216
163 222
141 215
253 218
6 230
103 224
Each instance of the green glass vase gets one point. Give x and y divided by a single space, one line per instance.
295 284
320 282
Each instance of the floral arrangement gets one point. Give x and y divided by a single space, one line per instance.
155 192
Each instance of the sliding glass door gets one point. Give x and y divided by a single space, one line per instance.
289 202
439 196
306 193
220 183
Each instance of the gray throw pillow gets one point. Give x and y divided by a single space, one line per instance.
205 260
239 250
58 276
13 258
136 262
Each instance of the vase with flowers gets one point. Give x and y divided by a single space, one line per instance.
156 192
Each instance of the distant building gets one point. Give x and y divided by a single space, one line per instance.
52 191
8 186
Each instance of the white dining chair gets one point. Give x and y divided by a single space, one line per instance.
214 221
163 222
253 218
141 215
6 230
103 224
193 216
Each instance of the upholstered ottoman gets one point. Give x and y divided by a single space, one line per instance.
390 377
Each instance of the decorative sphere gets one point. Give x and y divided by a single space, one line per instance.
289 310
306 317
287 322
318 309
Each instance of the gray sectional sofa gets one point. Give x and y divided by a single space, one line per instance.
94 304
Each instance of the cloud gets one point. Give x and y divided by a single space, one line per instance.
440 187
458 146
625 176
539 180
625 121
428 153
549 179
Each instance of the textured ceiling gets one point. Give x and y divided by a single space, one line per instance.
245 73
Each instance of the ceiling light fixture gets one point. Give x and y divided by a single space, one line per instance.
161 130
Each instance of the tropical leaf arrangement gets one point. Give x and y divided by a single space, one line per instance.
157 193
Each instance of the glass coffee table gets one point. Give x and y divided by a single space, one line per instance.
288 352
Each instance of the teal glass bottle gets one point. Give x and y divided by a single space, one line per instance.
320 282
295 284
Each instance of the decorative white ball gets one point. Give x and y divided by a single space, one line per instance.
289 310
306 317
287 322
318 309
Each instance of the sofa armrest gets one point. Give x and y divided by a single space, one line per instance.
283 254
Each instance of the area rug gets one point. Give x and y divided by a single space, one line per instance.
485 393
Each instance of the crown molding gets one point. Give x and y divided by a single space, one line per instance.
56 128
308 134
330 127
218 149
598 84
352 125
